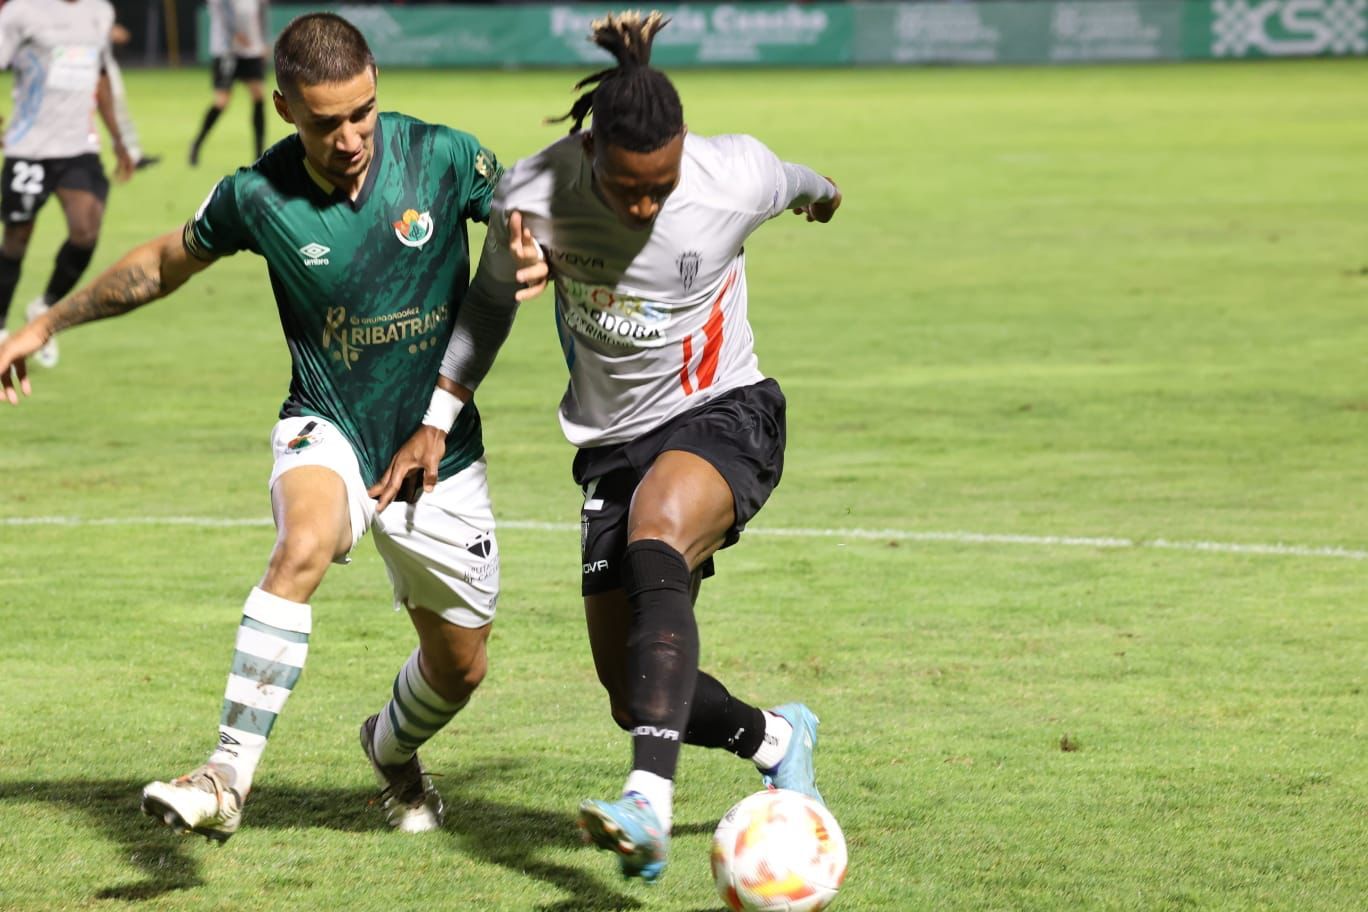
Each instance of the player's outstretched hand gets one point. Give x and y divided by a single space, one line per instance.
415 463
821 211
124 164
533 273
13 351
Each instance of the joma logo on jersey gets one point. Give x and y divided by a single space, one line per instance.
414 229
315 254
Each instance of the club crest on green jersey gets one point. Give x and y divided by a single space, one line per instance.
414 229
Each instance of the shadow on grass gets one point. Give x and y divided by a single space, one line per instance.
507 835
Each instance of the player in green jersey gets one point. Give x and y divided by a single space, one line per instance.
361 218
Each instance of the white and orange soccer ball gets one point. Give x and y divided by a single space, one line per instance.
778 851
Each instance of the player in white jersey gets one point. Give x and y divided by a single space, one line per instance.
680 436
118 37
237 43
58 50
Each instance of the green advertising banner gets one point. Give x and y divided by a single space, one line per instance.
834 34
557 35
1276 28
895 33
705 34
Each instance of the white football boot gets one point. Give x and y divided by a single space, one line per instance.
412 805
201 801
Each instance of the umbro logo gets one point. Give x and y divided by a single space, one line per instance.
227 743
315 254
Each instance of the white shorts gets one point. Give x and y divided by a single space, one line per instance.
441 552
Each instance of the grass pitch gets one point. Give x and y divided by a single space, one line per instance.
1064 315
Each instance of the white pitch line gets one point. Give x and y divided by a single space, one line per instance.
960 538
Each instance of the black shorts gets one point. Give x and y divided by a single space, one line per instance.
25 183
230 67
740 433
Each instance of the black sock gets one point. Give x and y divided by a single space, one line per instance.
717 719
9 278
66 271
259 124
210 116
662 653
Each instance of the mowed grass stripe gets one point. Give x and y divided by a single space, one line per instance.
1280 549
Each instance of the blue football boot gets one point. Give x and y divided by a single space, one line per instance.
795 771
630 828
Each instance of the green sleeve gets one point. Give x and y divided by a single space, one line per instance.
217 229
479 172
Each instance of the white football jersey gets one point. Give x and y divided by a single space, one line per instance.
237 27
57 50
652 322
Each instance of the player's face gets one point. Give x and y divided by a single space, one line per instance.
336 124
634 185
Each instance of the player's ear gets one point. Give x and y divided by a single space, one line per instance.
281 107
588 141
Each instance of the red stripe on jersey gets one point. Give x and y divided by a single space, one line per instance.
712 343
684 371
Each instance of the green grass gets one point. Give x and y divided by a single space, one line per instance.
1107 302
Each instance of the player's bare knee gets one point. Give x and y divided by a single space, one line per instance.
16 241
455 676
84 235
301 556
472 674
693 546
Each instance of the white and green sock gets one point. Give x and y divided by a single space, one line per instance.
272 643
414 714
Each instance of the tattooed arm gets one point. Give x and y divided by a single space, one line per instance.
147 272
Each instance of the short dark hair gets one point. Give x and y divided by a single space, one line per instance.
319 48
635 106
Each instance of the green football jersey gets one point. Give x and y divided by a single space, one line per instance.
367 289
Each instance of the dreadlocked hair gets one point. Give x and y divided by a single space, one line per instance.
635 107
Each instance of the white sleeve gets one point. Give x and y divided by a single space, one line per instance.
770 184
805 186
486 313
11 35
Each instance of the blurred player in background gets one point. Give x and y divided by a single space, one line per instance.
361 218
118 37
237 41
680 436
59 50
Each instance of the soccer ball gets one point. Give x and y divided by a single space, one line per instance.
778 851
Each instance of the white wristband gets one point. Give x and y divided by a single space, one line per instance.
442 410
